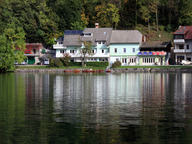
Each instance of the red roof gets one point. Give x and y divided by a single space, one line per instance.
184 30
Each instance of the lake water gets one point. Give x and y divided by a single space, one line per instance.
58 108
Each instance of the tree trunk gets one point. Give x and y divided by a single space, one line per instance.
157 21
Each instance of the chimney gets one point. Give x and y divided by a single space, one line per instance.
96 25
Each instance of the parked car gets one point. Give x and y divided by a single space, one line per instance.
186 62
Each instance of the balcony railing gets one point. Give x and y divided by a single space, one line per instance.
179 41
59 46
182 50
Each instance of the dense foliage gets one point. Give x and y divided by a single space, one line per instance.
43 20
116 64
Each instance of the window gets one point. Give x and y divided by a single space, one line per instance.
115 50
133 49
62 51
72 51
124 50
93 51
132 60
181 46
124 60
102 51
101 42
148 60
187 46
87 34
178 36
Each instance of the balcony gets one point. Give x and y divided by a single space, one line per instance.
182 50
58 46
179 41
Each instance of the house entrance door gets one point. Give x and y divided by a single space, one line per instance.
31 60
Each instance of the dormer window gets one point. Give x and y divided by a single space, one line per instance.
59 42
178 36
101 42
87 34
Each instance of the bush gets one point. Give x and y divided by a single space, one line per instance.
116 64
65 59
75 64
55 62
161 28
97 64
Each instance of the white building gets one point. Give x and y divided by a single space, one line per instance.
183 43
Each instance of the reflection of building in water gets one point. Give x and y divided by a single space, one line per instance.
98 99
153 92
37 87
183 98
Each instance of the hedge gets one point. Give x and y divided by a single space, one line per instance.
75 64
95 64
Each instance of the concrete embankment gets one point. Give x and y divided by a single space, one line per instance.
116 70
153 70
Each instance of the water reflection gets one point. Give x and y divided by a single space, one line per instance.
95 108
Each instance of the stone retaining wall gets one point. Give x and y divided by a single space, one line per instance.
153 70
116 70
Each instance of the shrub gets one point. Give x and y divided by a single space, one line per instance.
55 62
161 28
75 64
97 64
65 59
116 64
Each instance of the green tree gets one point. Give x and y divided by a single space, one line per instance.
12 45
185 11
85 51
107 15
65 59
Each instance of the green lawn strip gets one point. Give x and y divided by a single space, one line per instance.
70 67
155 67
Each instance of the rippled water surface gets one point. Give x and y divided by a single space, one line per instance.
54 108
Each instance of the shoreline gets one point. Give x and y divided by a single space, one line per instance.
115 70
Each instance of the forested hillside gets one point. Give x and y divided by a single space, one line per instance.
43 20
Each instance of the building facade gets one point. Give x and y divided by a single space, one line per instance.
154 53
124 46
183 44
73 42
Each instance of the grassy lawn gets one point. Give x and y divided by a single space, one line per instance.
97 68
70 67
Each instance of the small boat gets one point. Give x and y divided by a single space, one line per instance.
84 70
67 71
101 71
95 71
91 70
108 71
76 71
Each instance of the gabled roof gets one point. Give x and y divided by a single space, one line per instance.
97 34
60 39
72 38
155 44
126 36
184 30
